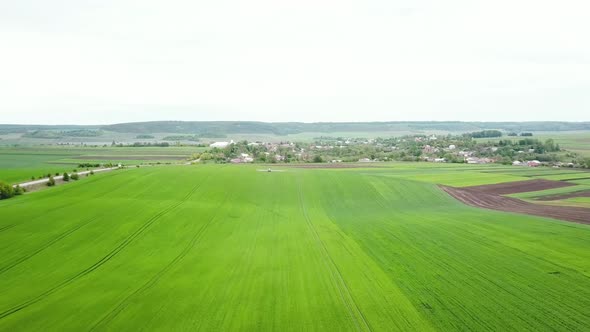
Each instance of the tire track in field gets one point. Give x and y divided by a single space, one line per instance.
353 309
156 278
47 245
234 279
5 228
103 260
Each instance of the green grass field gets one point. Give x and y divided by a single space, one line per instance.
575 202
20 164
230 248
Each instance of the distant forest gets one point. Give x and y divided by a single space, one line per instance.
223 128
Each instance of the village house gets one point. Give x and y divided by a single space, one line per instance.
475 160
429 149
533 163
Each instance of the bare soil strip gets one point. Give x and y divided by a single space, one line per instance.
488 199
329 165
557 197
131 157
519 186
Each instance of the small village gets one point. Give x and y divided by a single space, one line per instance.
523 151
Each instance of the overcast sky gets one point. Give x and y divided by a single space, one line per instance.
109 61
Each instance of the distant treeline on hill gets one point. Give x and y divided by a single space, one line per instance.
55 134
192 138
219 129
485 134
142 145
223 128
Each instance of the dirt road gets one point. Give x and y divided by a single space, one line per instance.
60 177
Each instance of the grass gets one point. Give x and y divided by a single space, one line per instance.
585 181
570 176
574 201
230 248
20 164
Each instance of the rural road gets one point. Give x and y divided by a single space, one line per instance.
59 177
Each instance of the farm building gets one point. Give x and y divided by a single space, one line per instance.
220 145
533 163
475 160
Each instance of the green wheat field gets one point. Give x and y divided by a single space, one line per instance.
234 248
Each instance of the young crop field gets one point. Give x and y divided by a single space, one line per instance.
574 202
232 248
584 181
20 164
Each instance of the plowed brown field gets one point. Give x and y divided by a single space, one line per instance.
520 186
490 197
556 197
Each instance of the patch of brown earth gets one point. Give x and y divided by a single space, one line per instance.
519 186
130 157
327 165
476 197
556 197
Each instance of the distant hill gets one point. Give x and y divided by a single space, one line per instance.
15 128
216 128
223 128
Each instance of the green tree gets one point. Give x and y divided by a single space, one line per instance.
318 159
66 177
51 182
6 190
74 176
18 190
206 156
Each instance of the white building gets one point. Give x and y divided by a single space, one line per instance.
220 145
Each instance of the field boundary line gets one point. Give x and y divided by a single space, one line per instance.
46 245
103 260
343 289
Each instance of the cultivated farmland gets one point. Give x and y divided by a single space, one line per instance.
230 248
19 164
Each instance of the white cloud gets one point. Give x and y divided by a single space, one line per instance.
111 61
